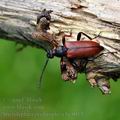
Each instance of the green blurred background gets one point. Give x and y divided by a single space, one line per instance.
21 99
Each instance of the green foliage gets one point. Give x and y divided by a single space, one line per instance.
21 99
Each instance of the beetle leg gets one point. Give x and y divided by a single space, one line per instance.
65 35
79 36
63 40
79 64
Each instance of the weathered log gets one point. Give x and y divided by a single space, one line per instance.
18 20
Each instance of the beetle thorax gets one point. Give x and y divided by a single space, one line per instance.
58 52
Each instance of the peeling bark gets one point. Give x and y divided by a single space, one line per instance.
18 21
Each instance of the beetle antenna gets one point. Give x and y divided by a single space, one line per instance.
43 72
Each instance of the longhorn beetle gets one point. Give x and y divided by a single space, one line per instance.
73 50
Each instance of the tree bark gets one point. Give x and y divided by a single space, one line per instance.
18 22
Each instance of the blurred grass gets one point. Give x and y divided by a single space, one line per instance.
20 99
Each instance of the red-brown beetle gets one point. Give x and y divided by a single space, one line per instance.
76 49
73 50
